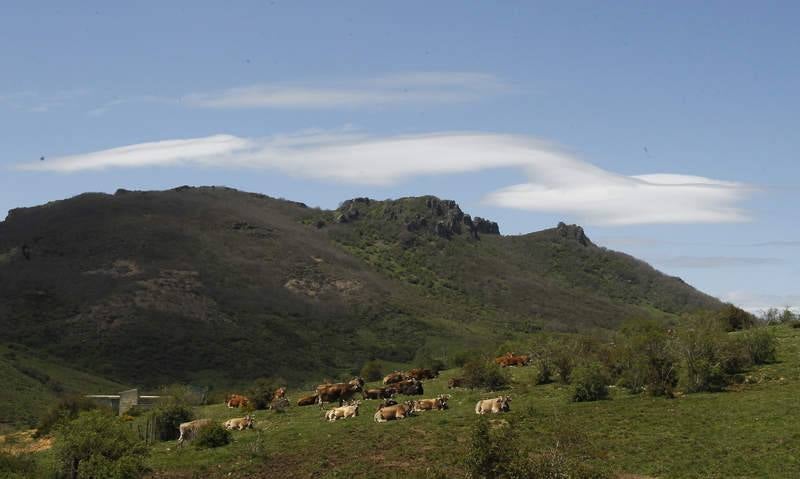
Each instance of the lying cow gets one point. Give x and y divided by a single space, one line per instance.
376 393
455 383
307 400
237 400
386 403
420 374
240 423
343 412
188 430
494 405
437 404
510 359
390 413
394 377
338 392
279 393
408 387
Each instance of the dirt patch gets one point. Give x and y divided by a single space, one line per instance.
316 287
121 268
24 442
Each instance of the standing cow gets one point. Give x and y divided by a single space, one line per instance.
188 430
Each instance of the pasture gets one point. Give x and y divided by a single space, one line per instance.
752 430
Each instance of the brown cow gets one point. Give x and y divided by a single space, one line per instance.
237 400
377 393
338 392
510 359
386 403
279 393
307 401
455 383
420 373
408 387
394 377
439 403
398 411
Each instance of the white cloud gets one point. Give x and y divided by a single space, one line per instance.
760 302
557 182
399 89
717 261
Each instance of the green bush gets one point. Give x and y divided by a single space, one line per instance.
590 383
262 392
761 345
167 417
65 409
735 319
482 373
709 354
17 466
371 371
645 359
213 435
491 454
544 371
98 445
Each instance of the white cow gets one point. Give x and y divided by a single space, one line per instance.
494 405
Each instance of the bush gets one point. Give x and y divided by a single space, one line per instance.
707 354
590 383
491 453
167 417
98 445
371 371
646 360
66 409
213 435
735 319
484 374
17 466
544 372
761 345
262 392
461 358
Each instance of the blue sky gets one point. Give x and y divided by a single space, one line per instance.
667 129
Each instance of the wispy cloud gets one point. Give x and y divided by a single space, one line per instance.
38 102
557 182
398 89
760 302
717 261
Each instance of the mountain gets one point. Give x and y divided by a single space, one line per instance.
216 285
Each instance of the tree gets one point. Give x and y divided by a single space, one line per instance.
646 358
99 445
371 371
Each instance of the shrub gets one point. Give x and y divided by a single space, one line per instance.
97 444
485 374
491 453
761 345
590 383
371 371
262 392
735 319
213 435
544 372
167 417
17 466
645 359
65 409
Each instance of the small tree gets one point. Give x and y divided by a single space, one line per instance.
482 373
99 445
702 344
590 383
65 409
211 436
167 417
262 392
492 453
371 371
646 359
761 345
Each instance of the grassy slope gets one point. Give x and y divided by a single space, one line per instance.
31 384
750 432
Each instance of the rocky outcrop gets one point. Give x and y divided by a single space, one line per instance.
573 232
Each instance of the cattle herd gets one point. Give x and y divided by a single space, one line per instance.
408 383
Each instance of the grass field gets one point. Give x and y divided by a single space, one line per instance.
752 430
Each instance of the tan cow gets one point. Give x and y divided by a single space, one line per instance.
279 393
343 412
438 404
390 413
394 377
494 405
236 400
240 423
189 429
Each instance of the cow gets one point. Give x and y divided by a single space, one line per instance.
236 400
338 392
386 403
439 403
279 393
455 383
240 423
509 359
307 400
420 374
188 430
390 413
376 393
394 377
494 405
408 387
343 412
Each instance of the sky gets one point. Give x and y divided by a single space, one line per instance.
666 129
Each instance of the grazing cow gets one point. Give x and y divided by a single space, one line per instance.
510 359
386 403
420 374
308 400
237 400
438 404
279 393
390 413
455 383
189 429
343 412
240 423
494 405
394 377
407 387
377 393
338 392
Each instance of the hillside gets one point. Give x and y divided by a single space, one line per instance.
218 286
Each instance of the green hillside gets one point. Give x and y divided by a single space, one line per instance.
217 286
